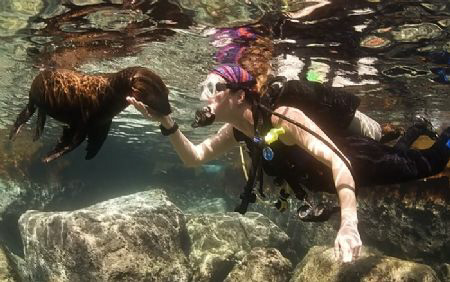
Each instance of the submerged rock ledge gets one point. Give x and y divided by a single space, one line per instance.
140 237
408 219
145 237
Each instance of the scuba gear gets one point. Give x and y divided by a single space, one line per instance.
333 148
248 85
235 78
321 103
208 87
317 212
203 117
273 134
267 152
334 105
282 204
248 196
270 137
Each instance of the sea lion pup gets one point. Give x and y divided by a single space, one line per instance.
88 103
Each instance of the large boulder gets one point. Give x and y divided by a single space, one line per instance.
443 271
7 269
320 265
219 241
140 237
261 264
407 220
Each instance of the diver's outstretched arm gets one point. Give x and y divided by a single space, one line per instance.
189 153
348 242
210 148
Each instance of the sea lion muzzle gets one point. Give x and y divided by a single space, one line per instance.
203 117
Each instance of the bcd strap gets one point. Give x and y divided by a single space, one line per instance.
248 196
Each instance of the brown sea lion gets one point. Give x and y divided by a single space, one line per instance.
88 103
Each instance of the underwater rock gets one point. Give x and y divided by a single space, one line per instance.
407 220
261 264
219 241
140 237
16 198
320 265
215 205
7 273
444 271
303 235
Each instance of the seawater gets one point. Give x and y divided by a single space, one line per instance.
381 51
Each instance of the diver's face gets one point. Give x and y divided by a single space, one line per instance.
216 98
214 94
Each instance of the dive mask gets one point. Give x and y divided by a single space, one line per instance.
209 87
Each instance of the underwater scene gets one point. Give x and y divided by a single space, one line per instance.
93 190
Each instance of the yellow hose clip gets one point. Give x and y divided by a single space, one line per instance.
273 135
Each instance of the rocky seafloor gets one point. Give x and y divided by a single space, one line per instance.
144 236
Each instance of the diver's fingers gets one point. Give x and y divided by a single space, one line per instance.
138 105
346 251
337 251
353 247
357 251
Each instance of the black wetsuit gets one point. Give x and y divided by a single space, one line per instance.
372 162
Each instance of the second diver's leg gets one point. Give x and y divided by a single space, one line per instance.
421 127
434 159
363 125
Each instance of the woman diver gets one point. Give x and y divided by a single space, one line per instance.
233 98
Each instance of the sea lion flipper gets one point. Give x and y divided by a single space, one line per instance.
96 137
22 118
71 138
40 124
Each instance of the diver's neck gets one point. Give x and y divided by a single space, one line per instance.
243 121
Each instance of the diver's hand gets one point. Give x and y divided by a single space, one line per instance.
347 245
146 111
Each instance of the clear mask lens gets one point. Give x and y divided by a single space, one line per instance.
208 87
208 90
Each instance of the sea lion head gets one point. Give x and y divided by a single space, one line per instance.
148 88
